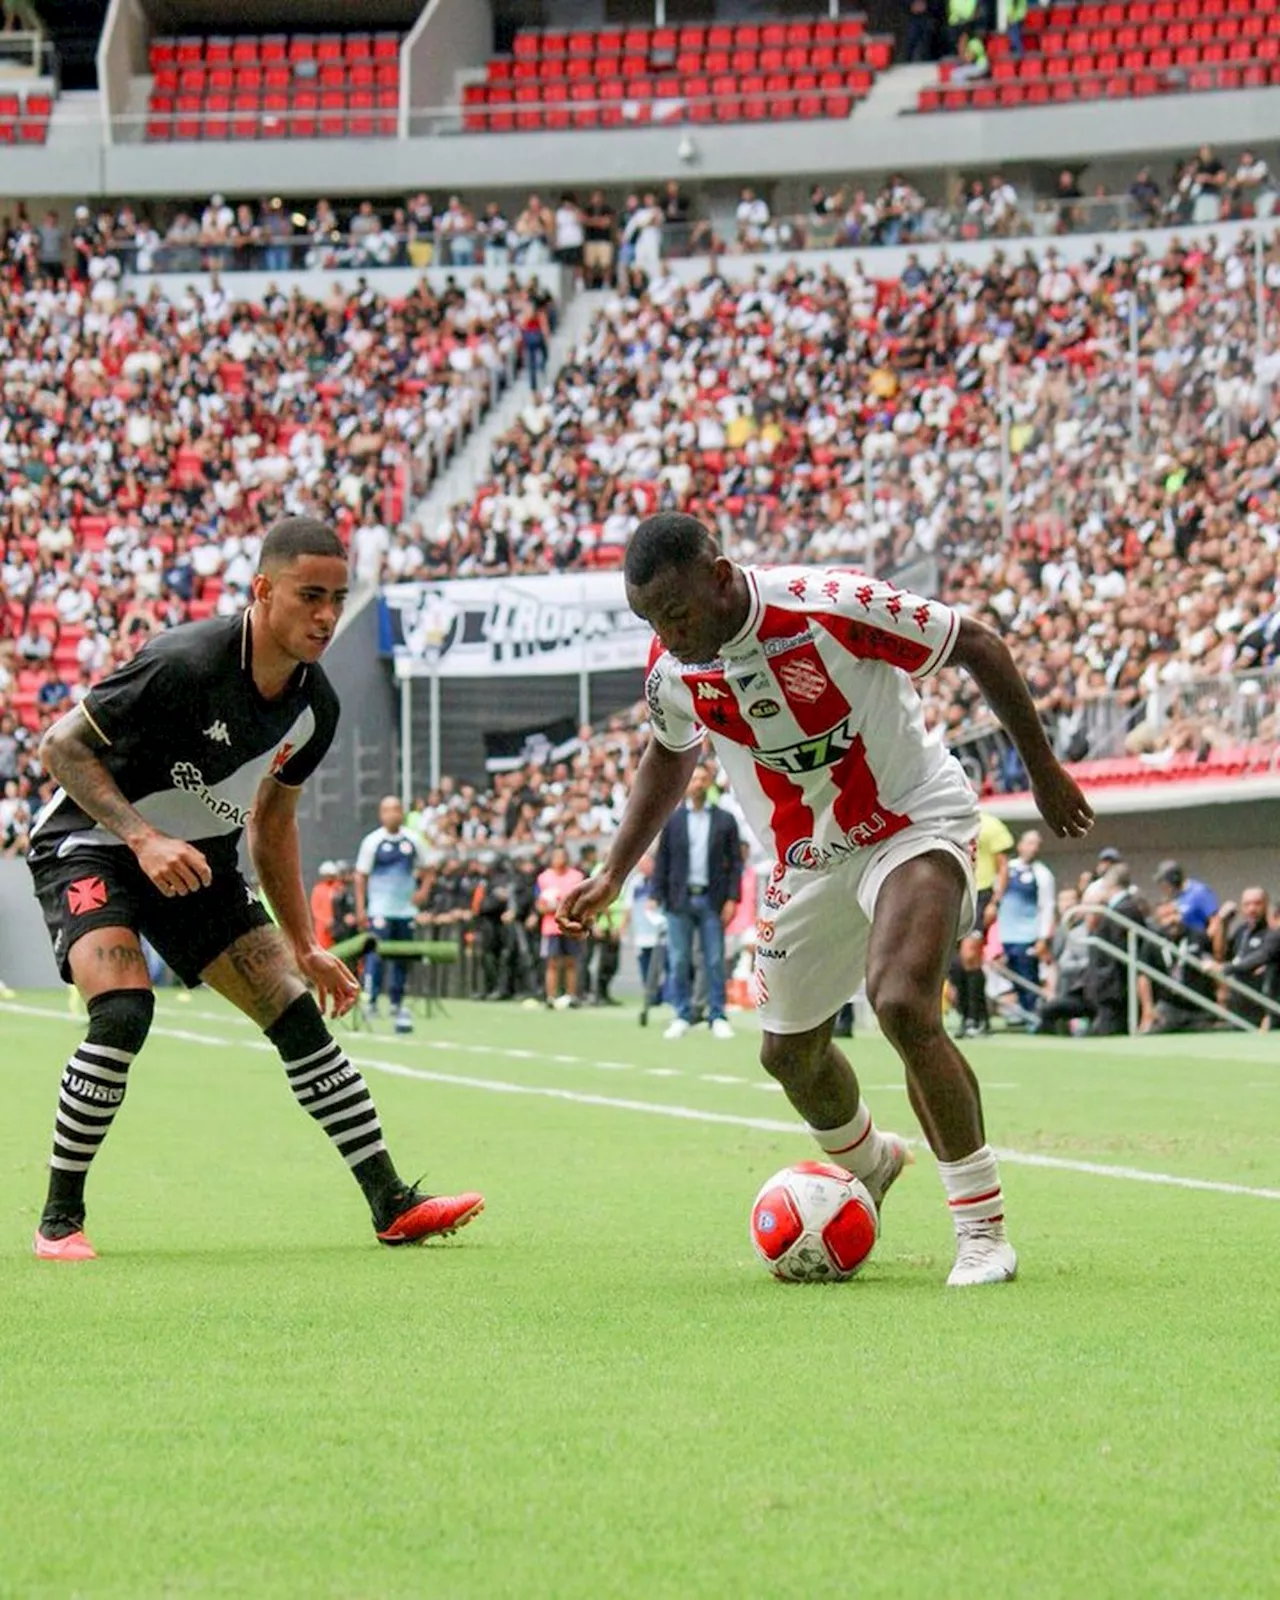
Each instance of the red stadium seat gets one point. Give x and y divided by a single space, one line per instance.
216 125
333 120
275 115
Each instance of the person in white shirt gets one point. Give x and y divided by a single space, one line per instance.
805 681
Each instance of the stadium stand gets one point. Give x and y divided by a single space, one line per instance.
275 86
24 118
1131 564
1117 51
729 72
146 448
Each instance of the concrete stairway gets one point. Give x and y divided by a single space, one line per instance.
470 467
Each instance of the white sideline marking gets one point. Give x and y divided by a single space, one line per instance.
398 1069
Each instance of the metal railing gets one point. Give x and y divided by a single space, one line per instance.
25 54
1137 936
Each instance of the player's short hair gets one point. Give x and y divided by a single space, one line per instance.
669 539
294 537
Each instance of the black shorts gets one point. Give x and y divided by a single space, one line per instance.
106 888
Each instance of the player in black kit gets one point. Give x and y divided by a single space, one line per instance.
213 727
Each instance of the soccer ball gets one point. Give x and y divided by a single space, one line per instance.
814 1223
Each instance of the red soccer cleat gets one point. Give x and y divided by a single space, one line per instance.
75 1247
430 1217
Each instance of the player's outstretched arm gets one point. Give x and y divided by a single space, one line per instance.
661 780
69 751
985 656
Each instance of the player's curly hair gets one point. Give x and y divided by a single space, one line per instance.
293 537
669 539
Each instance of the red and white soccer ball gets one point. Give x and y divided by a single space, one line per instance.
814 1223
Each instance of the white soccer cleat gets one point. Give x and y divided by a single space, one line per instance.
677 1029
720 1029
983 1255
896 1154
562 1002
404 1020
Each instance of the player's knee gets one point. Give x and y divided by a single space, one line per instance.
907 1013
120 1019
971 952
789 1056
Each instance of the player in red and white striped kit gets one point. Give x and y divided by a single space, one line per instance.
804 680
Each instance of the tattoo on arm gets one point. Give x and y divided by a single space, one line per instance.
76 766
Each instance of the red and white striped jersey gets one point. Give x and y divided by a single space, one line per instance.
814 715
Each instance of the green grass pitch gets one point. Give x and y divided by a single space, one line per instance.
595 1390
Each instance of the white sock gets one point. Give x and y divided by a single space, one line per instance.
856 1146
973 1190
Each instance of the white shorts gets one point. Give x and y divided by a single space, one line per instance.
811 940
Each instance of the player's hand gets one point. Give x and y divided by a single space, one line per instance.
583 904
336 986
173 865
1061 802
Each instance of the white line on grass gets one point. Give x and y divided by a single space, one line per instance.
399 1069
457 1047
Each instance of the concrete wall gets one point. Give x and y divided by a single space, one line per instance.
26 956
1229 846
122 53
963 140
448 35
319 285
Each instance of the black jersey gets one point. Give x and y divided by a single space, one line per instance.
188 738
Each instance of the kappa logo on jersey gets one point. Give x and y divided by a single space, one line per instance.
797 588
217 731
764 708
864 594
712 691
188 777
893 604
802 679
86 894
831 589
920 616
281 756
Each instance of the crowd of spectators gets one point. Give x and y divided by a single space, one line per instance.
833 418
146 442
600 235
488 851
1057 958
813 415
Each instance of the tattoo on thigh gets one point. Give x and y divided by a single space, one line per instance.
261 961
124 959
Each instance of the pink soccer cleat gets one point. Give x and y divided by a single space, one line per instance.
74 1247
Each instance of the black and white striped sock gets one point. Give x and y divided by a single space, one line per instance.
91 1092
333 1092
